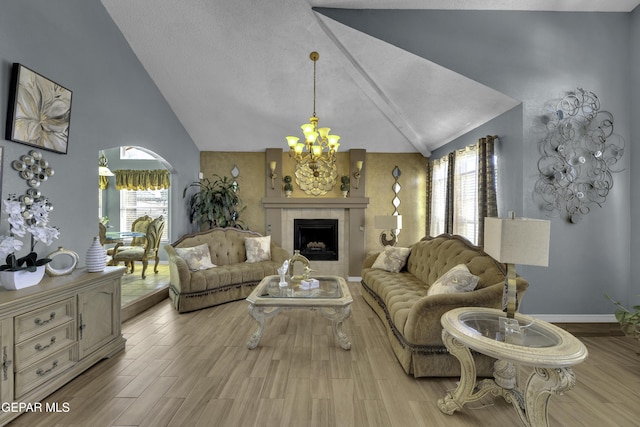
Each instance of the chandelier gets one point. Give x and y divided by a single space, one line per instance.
318 151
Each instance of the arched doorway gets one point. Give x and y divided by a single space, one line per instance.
138 185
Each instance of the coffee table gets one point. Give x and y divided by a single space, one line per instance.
551 352
332 298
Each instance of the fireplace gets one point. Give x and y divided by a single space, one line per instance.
316 239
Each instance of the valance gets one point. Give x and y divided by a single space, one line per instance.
128 179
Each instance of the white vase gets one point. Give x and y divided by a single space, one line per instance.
96 258
14 280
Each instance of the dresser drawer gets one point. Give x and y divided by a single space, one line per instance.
43 319
34 349
31 377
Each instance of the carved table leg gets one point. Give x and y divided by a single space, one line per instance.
338 316
259 314
541 384
467 390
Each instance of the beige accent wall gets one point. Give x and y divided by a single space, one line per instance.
377 179
412 195
251 180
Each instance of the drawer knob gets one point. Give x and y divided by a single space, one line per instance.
40 347
40 322
42 372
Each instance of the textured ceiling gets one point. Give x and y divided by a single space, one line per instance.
239 78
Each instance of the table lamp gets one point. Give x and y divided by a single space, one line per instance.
389 223
516 241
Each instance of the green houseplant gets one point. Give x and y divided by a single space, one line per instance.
216 203
344 186
629 319
288 187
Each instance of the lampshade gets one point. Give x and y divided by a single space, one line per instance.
390 222
522 241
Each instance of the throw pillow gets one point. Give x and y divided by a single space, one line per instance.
197 257
258 248
392 259
458 279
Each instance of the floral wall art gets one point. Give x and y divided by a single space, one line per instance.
580 153
39 111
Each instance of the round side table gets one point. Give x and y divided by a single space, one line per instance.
527 341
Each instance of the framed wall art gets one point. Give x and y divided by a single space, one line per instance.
39 111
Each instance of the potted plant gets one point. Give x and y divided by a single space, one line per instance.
629 319
344 187
25 215
288 187
216 203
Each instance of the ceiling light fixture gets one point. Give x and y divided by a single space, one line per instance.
321 147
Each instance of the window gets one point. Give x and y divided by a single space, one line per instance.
134 204
465 194
438 196
463 191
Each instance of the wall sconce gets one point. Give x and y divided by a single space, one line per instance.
273 175
356 174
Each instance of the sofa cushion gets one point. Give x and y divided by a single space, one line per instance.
196 257
258 248
392 259
458 279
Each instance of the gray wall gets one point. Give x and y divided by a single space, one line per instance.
76 44
536 57
633 291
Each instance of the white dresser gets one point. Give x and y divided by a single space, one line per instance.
52 332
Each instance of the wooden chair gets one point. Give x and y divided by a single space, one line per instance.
130 254
139 226
102 233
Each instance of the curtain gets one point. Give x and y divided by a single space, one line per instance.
428 204
448 211
142 179
103 182
487 199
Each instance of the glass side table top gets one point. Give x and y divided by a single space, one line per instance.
514 331
328 288
535 342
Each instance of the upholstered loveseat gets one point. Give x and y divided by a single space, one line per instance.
219 265
411 317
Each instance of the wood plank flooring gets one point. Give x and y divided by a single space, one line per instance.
194 369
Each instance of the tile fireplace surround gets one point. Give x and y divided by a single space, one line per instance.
349 212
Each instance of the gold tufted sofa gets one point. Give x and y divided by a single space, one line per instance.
233 278
412 319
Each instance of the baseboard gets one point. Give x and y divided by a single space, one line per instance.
575 318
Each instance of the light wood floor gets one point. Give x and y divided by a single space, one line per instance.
194 369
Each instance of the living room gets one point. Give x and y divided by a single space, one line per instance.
533 57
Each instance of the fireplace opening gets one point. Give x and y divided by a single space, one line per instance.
316 239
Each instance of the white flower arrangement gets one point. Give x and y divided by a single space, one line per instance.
26 215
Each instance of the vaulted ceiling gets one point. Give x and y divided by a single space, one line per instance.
238 76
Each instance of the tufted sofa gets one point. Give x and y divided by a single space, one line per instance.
412 318
232 279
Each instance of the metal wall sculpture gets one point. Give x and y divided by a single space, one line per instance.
579 154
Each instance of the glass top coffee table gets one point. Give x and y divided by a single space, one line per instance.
524 340
331 298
